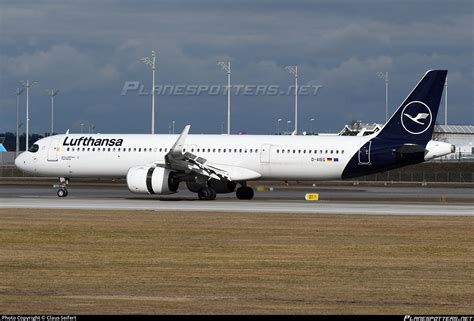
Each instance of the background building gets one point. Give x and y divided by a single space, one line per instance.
460 136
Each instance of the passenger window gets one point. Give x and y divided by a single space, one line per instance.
93 149
67 149
332 152
342 151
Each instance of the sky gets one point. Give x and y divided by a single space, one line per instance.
90 51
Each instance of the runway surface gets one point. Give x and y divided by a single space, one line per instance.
333 200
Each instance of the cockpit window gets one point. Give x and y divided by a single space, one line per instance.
34 148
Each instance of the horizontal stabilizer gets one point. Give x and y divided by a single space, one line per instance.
410 152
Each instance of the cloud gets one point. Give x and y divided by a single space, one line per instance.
88 50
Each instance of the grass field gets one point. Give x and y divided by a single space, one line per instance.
76 262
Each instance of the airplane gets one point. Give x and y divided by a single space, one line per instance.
213 164
2 148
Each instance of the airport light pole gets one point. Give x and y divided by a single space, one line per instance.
28 84
173 125
293 70
288 126
385 77
386 96
51 93
446 101
150 61
311 125
278 125
18 92
226 67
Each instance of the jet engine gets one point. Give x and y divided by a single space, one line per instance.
151 180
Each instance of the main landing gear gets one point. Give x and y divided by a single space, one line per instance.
244 193
207 193
62 187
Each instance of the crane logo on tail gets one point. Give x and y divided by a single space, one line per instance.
416 117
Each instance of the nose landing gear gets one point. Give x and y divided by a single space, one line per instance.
62 187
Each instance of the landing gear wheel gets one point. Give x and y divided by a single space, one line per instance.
62 192
62 187
213 194
244 193
207 193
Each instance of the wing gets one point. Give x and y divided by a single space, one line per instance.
189 163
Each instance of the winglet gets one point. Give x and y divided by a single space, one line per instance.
179 144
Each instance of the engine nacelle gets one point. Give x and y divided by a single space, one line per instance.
437 149
220 186
151 180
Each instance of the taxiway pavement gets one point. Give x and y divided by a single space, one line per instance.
333 200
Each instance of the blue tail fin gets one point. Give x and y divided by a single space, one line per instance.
414 120
2 148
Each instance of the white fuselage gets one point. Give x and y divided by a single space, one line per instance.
273 157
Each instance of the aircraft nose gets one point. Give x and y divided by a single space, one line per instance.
20 162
